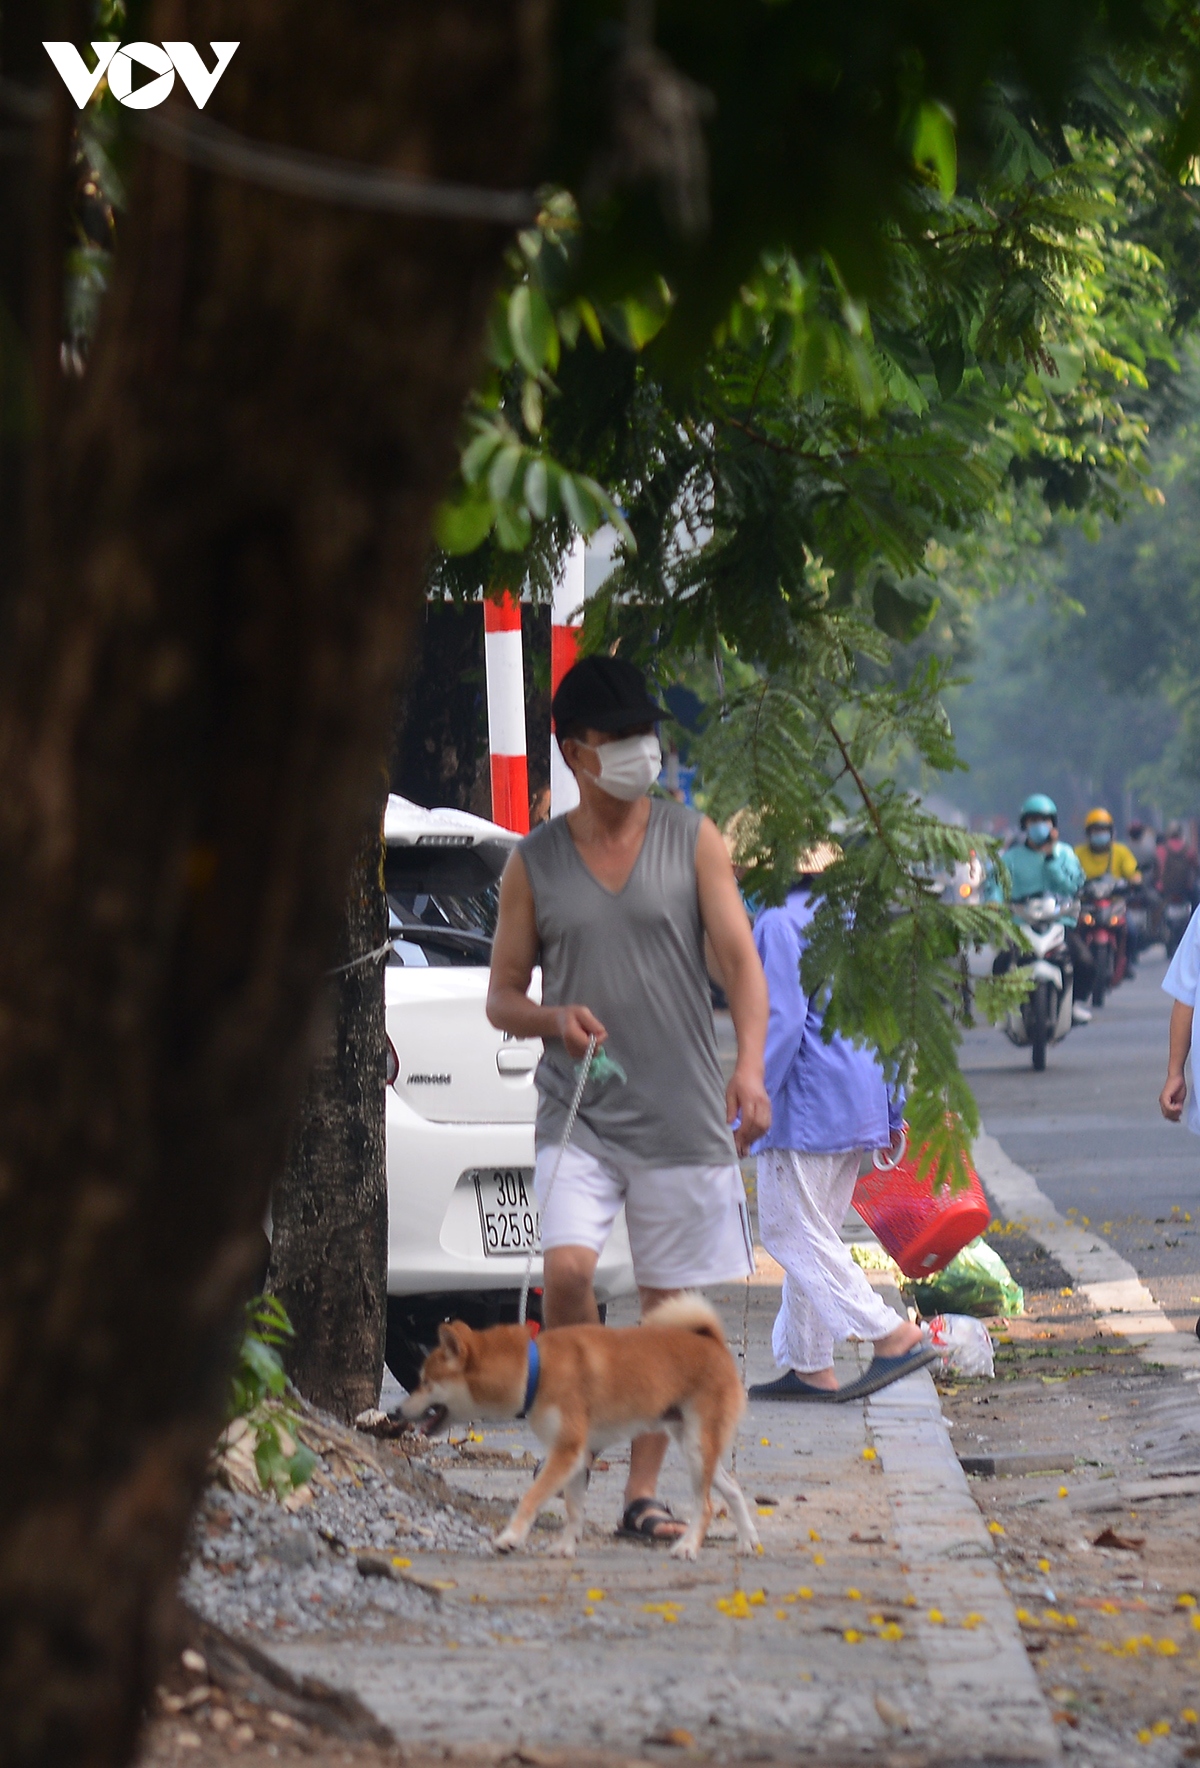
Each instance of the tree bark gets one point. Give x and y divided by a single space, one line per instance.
329 1209
213 548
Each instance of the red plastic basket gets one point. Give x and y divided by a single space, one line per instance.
921 1228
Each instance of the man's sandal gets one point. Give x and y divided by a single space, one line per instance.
643 1521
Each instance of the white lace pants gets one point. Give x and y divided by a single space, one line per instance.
802 1203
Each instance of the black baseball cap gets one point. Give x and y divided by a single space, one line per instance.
603 694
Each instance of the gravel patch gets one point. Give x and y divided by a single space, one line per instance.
252 1567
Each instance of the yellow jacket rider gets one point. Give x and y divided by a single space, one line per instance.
1099 853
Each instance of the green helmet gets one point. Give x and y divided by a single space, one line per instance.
1037 804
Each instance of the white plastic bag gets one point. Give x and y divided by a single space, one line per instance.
963 1343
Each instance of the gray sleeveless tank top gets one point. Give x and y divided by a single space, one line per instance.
636 958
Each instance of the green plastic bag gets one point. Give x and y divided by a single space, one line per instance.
977 1281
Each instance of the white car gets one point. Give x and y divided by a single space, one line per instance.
461 1099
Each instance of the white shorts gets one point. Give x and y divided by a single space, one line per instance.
688 1225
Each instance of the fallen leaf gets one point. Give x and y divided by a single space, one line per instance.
1126 1543
893 1716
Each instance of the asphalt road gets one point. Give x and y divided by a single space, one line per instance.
1090 1131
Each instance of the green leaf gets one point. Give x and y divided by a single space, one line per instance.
934 146
463 523
478 454
514 530
902 615
531 406
591 321
300 1466
532 329
536 488
580 503
503 470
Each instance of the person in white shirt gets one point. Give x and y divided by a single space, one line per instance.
1182 982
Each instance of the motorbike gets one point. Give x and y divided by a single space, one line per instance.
1044 1016
1143 914
1102 925
1177 912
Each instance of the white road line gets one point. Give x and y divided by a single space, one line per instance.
1121 1300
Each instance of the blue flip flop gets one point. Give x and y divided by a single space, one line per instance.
884 1370
790 1387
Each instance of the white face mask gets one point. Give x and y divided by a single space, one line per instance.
629 766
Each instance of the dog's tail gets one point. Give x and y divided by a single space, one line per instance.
690 1313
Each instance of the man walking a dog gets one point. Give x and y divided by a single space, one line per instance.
616 901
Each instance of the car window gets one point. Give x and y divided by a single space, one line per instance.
443 901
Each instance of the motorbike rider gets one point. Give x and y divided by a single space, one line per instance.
1143 844
1044 865
1177 865
1099 853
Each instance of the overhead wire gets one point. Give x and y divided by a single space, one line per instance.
294 171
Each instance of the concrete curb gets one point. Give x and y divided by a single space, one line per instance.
1121 1300
989 1705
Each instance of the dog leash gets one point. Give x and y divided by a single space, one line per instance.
585 1069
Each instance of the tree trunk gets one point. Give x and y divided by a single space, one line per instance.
213 548
330 1207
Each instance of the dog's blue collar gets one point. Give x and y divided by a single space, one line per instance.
532 1378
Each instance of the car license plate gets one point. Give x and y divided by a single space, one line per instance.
508 1212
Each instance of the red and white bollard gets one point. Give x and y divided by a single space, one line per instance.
566 615
506 712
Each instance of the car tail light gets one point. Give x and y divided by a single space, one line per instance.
393 1063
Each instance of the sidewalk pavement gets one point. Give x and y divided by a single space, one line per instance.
874 1627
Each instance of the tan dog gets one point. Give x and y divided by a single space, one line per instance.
584 1387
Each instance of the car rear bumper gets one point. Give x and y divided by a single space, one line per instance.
435 1241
